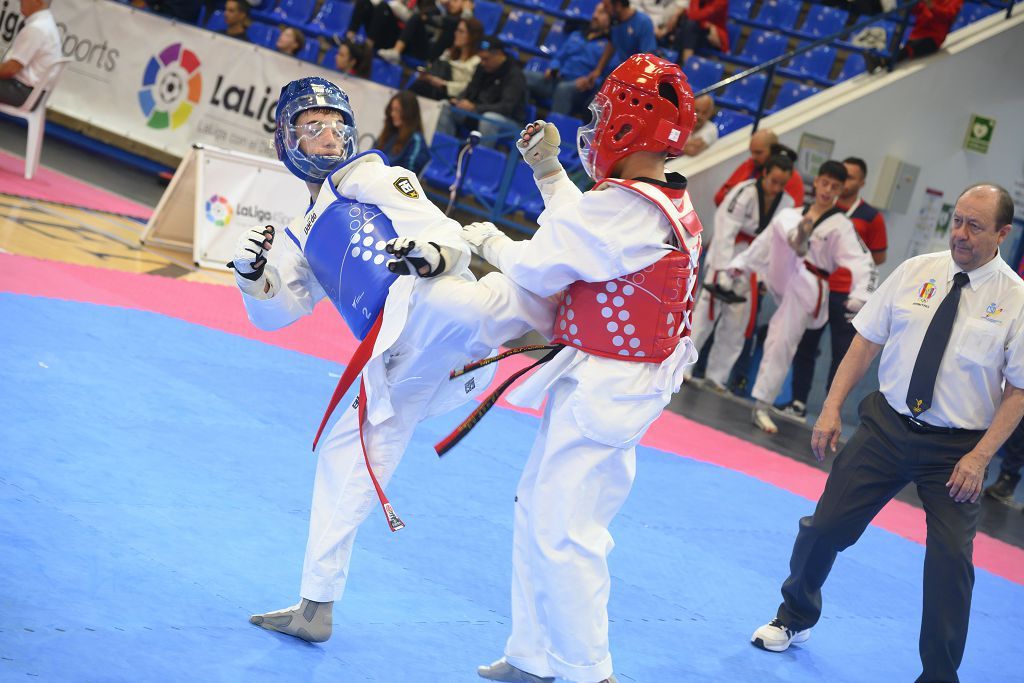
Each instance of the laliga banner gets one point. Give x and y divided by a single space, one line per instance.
216 195
169 85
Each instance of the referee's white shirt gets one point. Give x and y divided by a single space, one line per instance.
987 344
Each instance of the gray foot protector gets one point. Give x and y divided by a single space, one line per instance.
503 671
310 621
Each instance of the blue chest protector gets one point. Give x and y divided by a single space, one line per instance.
344 247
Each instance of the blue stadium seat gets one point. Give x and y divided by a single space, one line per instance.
733 29
728 121
310 51
386 73
265 11
745 94
440 170
821 21
294 12
815 64
577 9
263 34
332 19
527 4
701 72
739 10
774 14
327 60
522 29
523 194
568 128
484 172
554 38
791 93
489 14
853 66
538 64
551 6
760 47
216 22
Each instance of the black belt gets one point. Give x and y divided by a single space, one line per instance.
920 427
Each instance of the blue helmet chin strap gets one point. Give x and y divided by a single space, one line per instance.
302 95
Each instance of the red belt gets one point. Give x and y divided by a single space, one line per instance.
822 276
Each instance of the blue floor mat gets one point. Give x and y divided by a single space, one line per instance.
155 479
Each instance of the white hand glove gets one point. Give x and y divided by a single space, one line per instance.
481 237
853 307
422 259
538 143
251 259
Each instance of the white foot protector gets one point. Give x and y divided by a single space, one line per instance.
762 420
308 620
503 671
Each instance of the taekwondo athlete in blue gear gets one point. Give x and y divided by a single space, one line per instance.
415 330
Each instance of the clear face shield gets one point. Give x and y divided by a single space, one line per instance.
600 110
321 140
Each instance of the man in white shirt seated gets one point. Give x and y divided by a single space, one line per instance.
34 50
705 132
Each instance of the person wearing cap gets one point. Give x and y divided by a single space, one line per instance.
493 103
950 330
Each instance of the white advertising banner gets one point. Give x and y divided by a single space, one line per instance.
216 195
170 85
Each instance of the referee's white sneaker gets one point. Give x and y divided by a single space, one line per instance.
777 637
503 671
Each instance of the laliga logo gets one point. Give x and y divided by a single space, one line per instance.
218 211
171 86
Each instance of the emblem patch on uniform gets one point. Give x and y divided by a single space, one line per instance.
405 186
470 385
992 312
927 291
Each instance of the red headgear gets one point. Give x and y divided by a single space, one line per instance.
644 105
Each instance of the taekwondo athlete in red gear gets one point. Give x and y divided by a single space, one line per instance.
367 219
622 258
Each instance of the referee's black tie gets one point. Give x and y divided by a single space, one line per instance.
922 381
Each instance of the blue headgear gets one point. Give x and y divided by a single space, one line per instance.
297 97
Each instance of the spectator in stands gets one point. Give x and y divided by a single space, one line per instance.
291 41
237 20
870 227
1009 470
705 132
353 59
401 138
631 33
565 81
33 51
381 20
932 21
660 12
429 32
760 149
494 102
449 75
700 25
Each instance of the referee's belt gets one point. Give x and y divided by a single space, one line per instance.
815 270
921 427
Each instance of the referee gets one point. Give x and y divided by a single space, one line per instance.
949 326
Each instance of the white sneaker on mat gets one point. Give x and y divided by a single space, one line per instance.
390 55
777 637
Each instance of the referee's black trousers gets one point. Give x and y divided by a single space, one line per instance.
884 455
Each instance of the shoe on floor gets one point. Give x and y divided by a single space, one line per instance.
795 410
762 420
1003 488
777 637
308 620
503 671
715 386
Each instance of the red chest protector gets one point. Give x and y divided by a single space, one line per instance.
643 315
